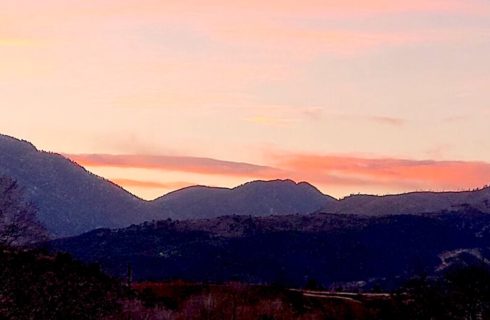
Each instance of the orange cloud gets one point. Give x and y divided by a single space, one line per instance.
129 183
175 163
327 171
386 172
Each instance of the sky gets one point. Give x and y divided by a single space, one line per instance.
369 96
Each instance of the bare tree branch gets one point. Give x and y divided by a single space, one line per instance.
18 222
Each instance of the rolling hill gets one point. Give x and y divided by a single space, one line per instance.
257 198
410 203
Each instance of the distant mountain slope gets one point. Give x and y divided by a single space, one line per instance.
70 199
258 198
290 249
412 203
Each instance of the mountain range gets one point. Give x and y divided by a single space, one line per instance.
71 200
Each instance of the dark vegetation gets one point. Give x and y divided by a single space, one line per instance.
462 293
38 285
35 285
335 250
18 221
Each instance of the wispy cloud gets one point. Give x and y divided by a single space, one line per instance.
455 118
388 172
280 115
371 119
176 163
315 7
327 171
283 114
307 42
132 183
388 120
377 119
15 42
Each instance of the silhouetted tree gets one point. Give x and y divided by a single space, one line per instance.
18 222
470 292
313 284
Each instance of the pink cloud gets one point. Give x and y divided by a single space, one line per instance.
386 172
306 42
388 120
131 183
316 7
326 171
174 163
385 120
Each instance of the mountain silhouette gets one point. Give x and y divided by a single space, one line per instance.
71 200
257 198
412 203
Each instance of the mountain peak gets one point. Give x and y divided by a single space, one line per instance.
278 183
70 200
11 144
257 198
267 183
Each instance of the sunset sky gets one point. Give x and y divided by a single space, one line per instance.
370 96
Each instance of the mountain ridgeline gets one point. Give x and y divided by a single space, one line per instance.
71 200
258 198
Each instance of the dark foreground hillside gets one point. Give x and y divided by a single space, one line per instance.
36 285
334 250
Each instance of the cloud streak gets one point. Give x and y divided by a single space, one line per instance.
175 163
133 183
15 42
327 171
397 122
387 172
310 7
